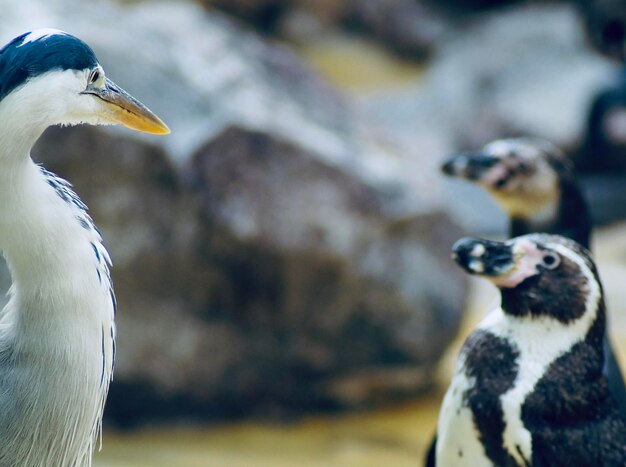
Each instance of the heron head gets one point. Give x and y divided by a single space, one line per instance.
56 78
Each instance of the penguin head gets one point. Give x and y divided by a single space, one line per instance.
522 174
537 274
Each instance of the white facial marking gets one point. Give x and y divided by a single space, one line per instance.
499 147
478 250
532 196
41 34
53 98
477 266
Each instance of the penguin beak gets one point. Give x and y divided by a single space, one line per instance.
471 166
505 264
121 107
484 257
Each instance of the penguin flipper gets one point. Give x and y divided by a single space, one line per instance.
614 377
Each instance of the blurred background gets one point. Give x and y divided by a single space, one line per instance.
286 296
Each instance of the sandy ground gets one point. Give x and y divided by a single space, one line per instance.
395 437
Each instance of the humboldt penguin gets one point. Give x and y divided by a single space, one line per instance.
528 387
533 181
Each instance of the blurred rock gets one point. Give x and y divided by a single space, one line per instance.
265 15
409 28
524 70
343 282
275 253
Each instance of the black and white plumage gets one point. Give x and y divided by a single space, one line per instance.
57 332
528 387
534 183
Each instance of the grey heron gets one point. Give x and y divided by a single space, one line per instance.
57 331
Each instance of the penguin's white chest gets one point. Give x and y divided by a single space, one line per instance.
480 423
458 442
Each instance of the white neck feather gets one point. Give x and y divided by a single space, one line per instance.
57 331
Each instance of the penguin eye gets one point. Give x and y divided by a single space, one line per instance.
550 260
525 168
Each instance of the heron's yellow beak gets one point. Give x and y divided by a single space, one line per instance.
123 108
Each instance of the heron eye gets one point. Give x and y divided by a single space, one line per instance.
550 261
95 76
